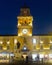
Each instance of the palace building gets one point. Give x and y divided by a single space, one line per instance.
24 43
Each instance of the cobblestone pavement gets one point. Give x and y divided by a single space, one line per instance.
25 63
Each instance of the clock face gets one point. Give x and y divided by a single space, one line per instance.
24 31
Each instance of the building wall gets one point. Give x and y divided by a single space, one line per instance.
44 45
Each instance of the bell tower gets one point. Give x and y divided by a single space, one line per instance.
25 22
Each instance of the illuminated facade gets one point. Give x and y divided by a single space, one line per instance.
24 44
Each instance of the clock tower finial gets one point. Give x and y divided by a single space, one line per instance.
25 5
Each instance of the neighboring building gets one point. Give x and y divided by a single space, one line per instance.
24 43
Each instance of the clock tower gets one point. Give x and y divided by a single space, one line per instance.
25 22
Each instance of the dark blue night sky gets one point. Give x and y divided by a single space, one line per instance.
41 10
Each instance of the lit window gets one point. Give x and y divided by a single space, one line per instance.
50 41
41 55
15 41
34 41
19 34
5 48
30 34
46 56
11 54
41 41
8 42
1 42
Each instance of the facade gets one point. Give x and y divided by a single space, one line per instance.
24 44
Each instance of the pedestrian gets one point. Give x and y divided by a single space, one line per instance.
26 59
22 58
